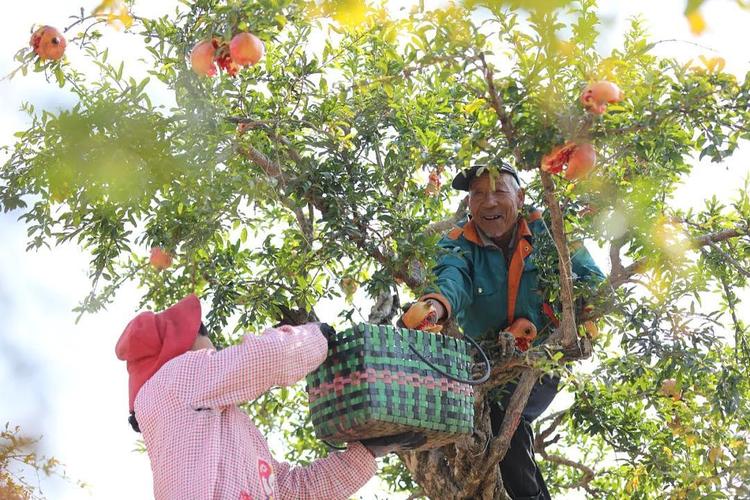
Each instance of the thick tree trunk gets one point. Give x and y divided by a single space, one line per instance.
470 468
466 469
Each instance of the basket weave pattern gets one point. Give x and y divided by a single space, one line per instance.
373 385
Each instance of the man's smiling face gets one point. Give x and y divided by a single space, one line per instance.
494 205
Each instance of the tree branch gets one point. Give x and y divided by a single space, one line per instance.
268 127
415 495
697 242
567 331
737 265
557 419
384 309
606 292
497 104
500 443
411 276
269 167
583 482
566 334
614 255
540 446
273 171
446 224
719 236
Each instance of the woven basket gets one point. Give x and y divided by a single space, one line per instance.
373 385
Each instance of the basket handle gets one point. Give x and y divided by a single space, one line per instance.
479 381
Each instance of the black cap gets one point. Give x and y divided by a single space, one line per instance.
462 180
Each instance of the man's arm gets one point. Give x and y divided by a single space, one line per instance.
278 357
453 286
584 266
586 270
337 476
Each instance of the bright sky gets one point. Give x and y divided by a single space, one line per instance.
62 380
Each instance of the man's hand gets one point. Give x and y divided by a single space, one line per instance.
400 442
523 331
424 315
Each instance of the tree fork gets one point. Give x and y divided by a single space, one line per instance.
499 444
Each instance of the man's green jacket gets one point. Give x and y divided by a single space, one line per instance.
473 276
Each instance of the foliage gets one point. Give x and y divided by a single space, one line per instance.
271 186
17 458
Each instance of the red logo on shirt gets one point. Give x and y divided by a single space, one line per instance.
267 478
244 495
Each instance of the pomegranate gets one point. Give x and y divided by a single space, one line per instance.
202 57
554 161
160 258
421 316
433 185
225 61
669 388
524 331
582 161
597 95
246 49
348 286
579 158
48 43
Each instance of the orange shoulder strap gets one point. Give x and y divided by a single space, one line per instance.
515 270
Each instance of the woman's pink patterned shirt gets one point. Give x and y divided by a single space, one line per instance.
203 447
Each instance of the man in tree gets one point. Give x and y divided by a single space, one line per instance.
487 279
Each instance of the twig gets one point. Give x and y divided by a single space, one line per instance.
497 104
417 494
666 40
450 222
731 305
638 266
730 259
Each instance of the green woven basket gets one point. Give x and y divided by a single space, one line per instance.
372 384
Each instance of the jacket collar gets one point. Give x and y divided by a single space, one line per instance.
472 233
